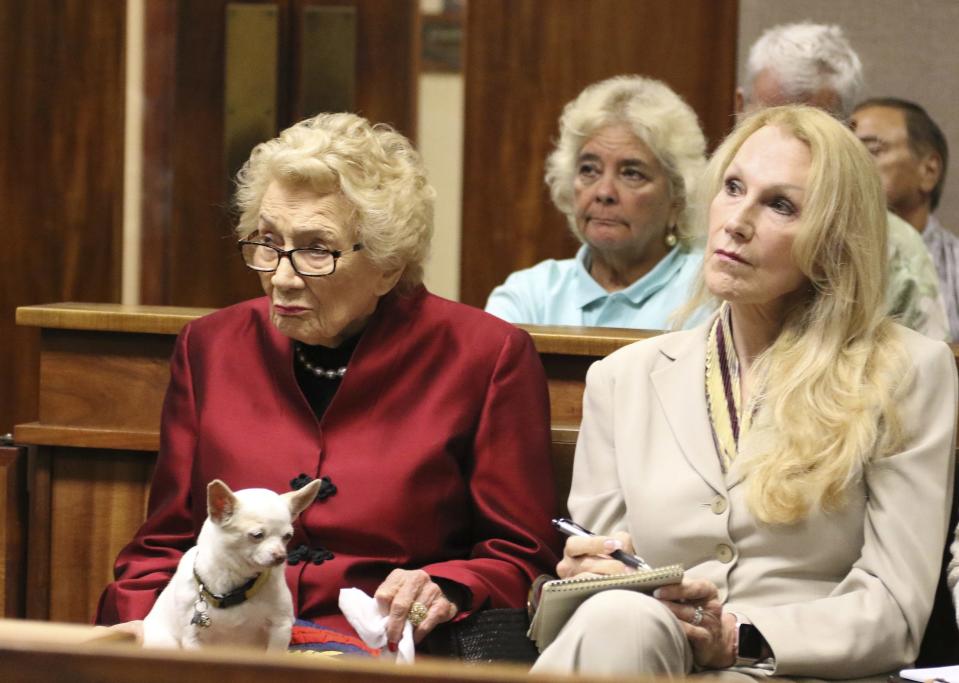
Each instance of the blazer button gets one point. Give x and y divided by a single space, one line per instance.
719 505
724 553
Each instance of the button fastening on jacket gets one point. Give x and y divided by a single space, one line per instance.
327 487
304 553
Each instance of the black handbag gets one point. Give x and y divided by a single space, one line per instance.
492 635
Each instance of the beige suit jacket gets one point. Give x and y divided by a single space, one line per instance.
839 595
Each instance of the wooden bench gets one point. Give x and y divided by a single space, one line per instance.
102 375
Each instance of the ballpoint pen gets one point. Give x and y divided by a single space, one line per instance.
571 528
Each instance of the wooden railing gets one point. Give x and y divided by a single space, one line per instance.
51 653
36 652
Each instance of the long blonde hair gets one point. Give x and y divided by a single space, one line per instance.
832 376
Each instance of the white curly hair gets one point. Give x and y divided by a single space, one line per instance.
656 115
373 167
806 57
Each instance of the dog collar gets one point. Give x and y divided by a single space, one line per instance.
237 596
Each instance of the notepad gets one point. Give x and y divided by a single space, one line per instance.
940 673
560 598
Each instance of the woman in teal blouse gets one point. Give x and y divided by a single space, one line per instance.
628 154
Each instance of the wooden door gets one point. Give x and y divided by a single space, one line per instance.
61 170
524 60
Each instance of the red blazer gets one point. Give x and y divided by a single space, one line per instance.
437 442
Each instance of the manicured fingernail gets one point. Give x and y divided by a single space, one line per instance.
658 593
612 544
391 647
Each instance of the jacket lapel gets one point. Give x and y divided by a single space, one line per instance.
680 389
753 440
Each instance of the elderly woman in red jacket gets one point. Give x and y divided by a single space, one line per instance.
427 420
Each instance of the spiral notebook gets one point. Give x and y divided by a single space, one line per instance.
560 598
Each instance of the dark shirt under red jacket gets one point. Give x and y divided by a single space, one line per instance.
437 442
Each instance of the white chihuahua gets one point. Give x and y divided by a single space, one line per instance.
230 588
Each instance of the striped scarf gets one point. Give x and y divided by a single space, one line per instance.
723 397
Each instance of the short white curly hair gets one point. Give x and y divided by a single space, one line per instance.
656 115
373 167
806 57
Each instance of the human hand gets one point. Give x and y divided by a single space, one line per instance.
711 631
134 628
396 596
590 555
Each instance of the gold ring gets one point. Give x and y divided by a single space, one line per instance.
417 613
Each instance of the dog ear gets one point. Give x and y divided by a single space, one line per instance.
220 501
302 499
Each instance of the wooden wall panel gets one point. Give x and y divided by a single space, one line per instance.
79 494
189 258
94 380
13 530
203 268
159 81
524 60
98 495
61 170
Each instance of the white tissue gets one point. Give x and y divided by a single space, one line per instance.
369 622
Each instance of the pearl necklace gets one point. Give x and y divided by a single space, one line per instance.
318 371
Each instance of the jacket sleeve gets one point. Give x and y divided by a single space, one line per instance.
511 485
596 498
146 564
874 619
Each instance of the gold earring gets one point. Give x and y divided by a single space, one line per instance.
670 239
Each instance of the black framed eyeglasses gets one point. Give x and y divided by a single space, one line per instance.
306 261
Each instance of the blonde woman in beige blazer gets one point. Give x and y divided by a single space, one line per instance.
794 453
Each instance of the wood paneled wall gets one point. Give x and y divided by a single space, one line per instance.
61 170
189 258
524 60
13 536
